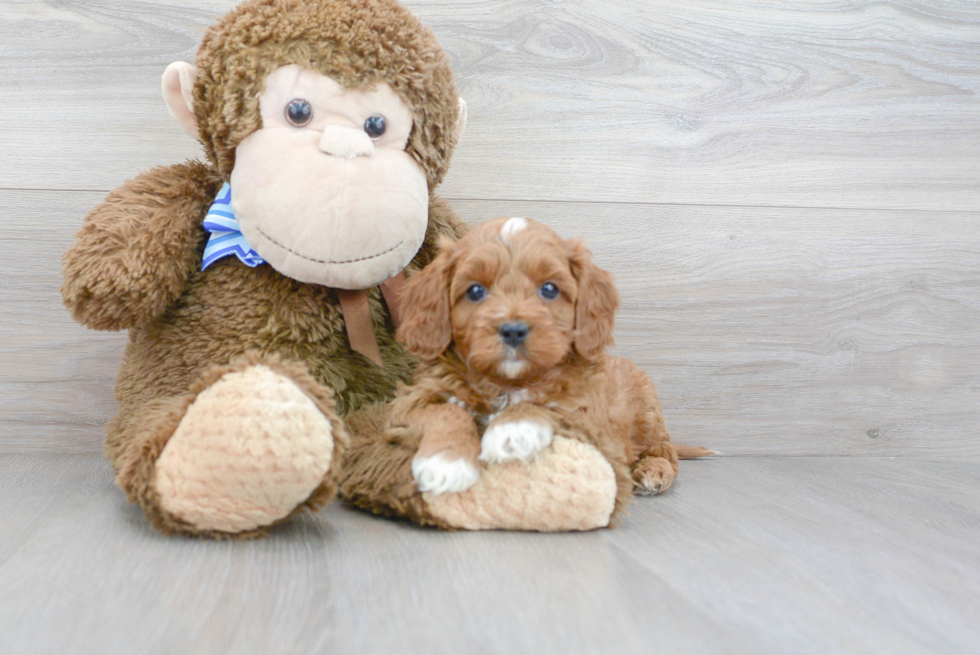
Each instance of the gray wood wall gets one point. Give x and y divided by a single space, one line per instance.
787 193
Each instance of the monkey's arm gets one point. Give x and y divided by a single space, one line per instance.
132 256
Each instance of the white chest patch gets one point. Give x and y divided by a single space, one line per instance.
512 227
499 404
510 398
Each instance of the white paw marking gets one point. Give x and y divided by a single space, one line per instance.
515 440
512 227
440 475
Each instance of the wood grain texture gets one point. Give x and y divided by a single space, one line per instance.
56 377
845 103
748 555
774 331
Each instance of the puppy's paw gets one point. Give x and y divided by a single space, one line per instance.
439 474
652 475
515 440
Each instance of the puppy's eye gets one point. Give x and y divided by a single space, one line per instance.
299 112
375 126
548 291
476 293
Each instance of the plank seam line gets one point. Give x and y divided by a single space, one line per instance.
696 204
605 202
29 190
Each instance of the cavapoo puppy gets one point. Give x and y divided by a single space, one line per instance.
512 324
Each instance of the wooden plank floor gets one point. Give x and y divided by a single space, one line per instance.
744 555
788 196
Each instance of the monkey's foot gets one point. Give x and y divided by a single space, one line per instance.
569 486
250 449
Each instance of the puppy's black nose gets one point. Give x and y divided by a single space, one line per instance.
514 334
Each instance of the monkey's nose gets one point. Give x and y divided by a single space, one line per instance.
514 333
346 142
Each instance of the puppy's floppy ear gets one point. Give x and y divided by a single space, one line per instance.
596 304
426 330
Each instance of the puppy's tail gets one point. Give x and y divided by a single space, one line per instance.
693 452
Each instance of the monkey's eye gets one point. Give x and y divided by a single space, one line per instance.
476 293
299 112
375 126
548 291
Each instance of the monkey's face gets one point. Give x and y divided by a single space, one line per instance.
324 191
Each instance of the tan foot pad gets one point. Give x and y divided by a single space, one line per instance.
570 486
250 449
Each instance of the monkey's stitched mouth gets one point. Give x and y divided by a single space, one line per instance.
328 261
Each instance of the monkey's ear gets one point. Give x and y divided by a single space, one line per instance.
178 93
461 121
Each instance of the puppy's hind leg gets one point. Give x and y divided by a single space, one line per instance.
655 466
653 474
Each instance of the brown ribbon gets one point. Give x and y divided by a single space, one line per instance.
391 290
357 316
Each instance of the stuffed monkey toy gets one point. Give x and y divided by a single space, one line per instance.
260 287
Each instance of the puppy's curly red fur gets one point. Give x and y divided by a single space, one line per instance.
512 324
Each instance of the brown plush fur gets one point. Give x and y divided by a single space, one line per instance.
136 263
377 468
135 448
567 380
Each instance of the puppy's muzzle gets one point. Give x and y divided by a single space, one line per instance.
514 333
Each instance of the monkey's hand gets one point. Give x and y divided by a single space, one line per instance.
134 252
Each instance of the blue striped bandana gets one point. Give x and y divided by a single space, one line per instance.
226 235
